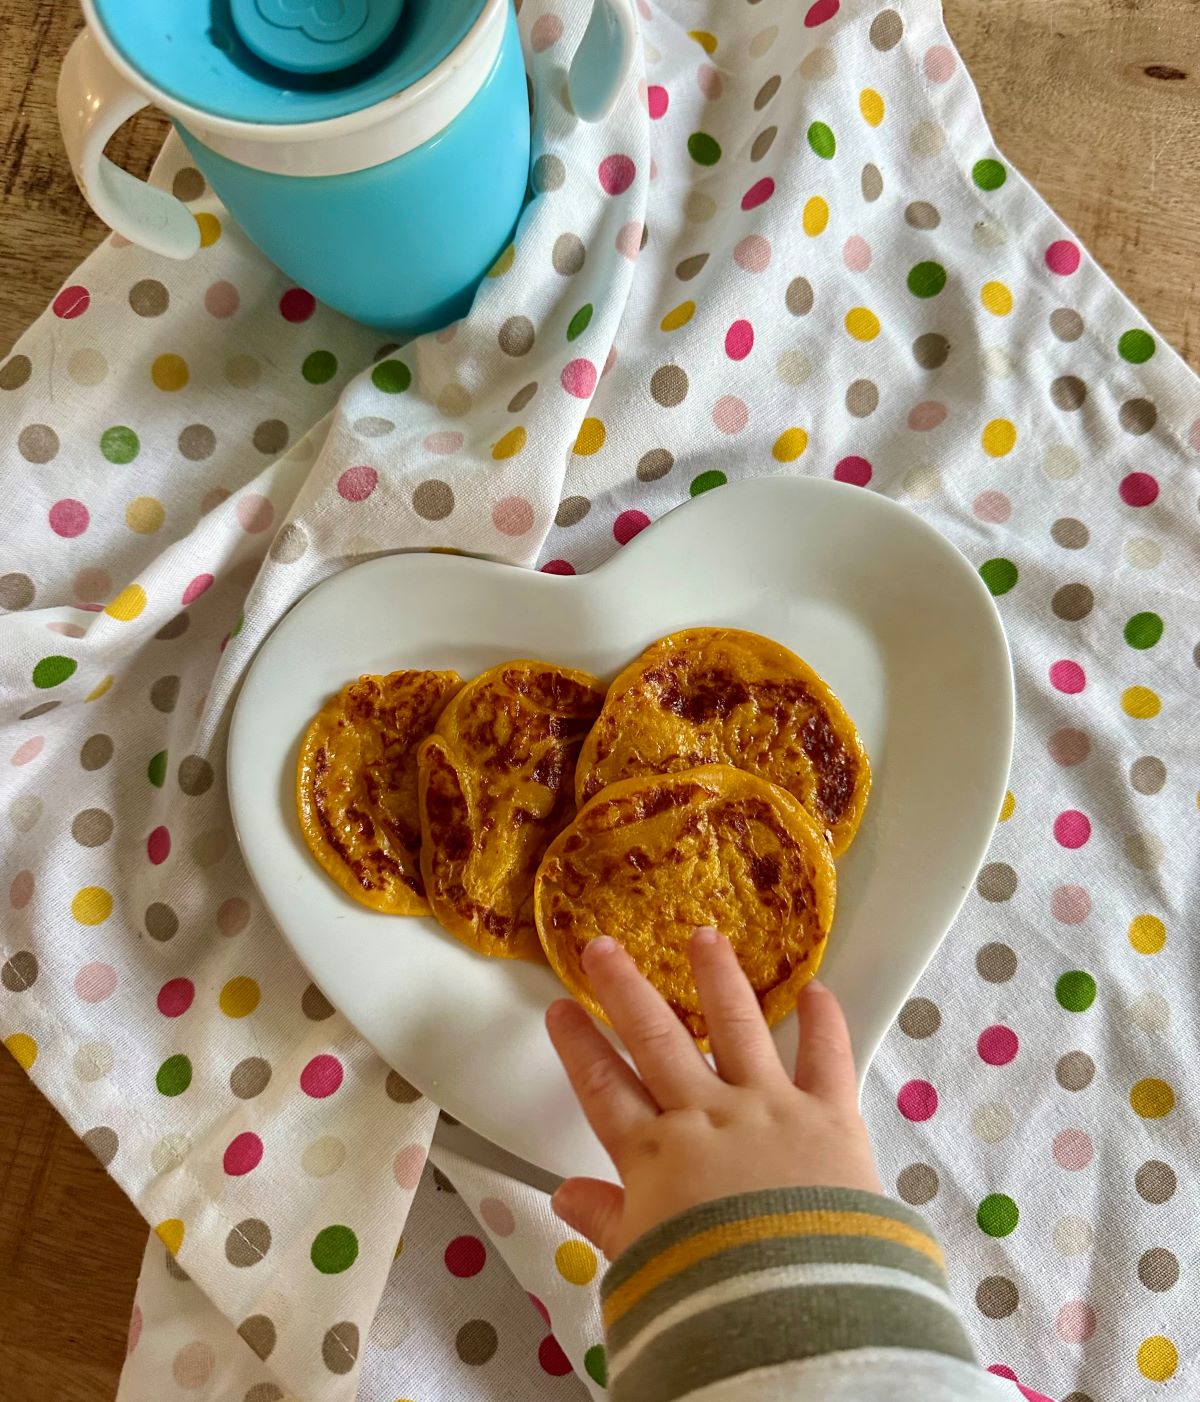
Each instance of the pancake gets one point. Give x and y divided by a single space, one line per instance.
721 696
356 786
495 786
652 858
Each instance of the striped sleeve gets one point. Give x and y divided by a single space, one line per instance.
770 1280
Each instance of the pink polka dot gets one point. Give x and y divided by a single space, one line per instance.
135 1330
465 1256
72 630
579 378
657 101
175 996
69 518
28 751
407 1166
442 443
297 305
198 586
558 567
753 253
855 471
653 169
322 1076
856 253
917 1100
243 1153
547 31
929 414
739 340
993 507
20 891
233 916
1072 1150
758 193
730 414
1072 828
1002 1370
1070 904
552 1358
708 80
512 516
1139 489
357 483
616 174
541 1309
1076 1322
71 302
254 513
1062 257
628 524
221 300
497 1217
939 64
446 334
997 1045
95 982
609 361
158 846
820 11
629 241
1067 676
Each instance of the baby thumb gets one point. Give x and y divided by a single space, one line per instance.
592 1208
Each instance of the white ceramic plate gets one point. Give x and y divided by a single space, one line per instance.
882 606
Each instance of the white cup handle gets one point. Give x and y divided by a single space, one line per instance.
603 59
93 101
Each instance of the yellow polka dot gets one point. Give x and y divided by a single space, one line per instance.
862 323
1140 702
996 298
144 515
102 688
1152 1098
678 316
1157 1358
1008 807
170 1233
92 905
511 444
590 438
870 104
576 1262
707 41
169 372
503 263
239 997
1147 934
789 445
816 216
210 229
128 603
999 437
23 1048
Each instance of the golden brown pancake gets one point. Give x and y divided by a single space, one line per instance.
496 782
721 696
652 858
356 785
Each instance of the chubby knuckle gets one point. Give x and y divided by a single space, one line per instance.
595 1079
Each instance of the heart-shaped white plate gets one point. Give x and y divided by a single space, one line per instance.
883 607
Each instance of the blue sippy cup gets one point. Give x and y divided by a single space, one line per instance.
376 150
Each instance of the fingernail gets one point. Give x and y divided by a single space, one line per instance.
600 948
818 985
705 934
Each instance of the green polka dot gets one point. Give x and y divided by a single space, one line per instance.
999 574
704 149
237 627
926 279
174 1075
997 1215
596 1364
320 367
334 1249
989 174
707 481
119 444
156 770
580 322
1136 347
1076 991
822 141
53 671
1143 630
391 376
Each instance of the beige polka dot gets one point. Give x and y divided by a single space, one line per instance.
989 233
688 268
996 962
991 1122
24 812
1072 602
522 397
763 41
1074 1070
654 464
819 65
195 775
92 1061
997 1297
174 628
1158 1269
264 1392
103 1142
862 398
997 881
1142 553
162 924
886 30
931 350
323 1157
476 1341
1066 323
1155 1181
793 367
20 972
799 296
1150 1012
1060 462
548 174
290 545
87 366
92 827
37 443
568 254
922 482
454 400
1072 1236
1068 393
1069 533
242 371
16 592
15 372
1144 850
210 846
169 1152
192 1366
1148 774
698 207
197 442
926 139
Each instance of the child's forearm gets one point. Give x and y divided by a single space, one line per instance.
806 1292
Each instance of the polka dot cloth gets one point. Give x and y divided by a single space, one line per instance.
799 251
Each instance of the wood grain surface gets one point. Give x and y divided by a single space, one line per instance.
1096 101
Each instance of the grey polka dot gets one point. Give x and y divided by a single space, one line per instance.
20 971
917 1184
799 296
103 1142
931 350
271 437
767 92
15 372
96 751
162 923
919 1018
1078 1397
1148 774
149 297
1069 533
197 442
248 1242
922 215
339 1347
400 1090
259 1333
264 1392
568 254
242 371
314 1004
996 963
1072 602
862 398
571 511
996 1296
1068 393
1138 416
174 1269
188 184
1158 1269
1068 746
16 591
996 882
1155 1181
476 1341
195 775
669 385
522 397
448 1118
549 173
250 1077
290 545
44 709
1066 323
164 694
516 336
886 30
871 182
174 628
763 142
1074 1071
372 426
92 827
654 464
37 443
687 269
433 500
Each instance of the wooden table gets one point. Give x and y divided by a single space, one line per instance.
1097 101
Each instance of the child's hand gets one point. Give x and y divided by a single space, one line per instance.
681 1134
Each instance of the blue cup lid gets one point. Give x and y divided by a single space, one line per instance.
314 36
